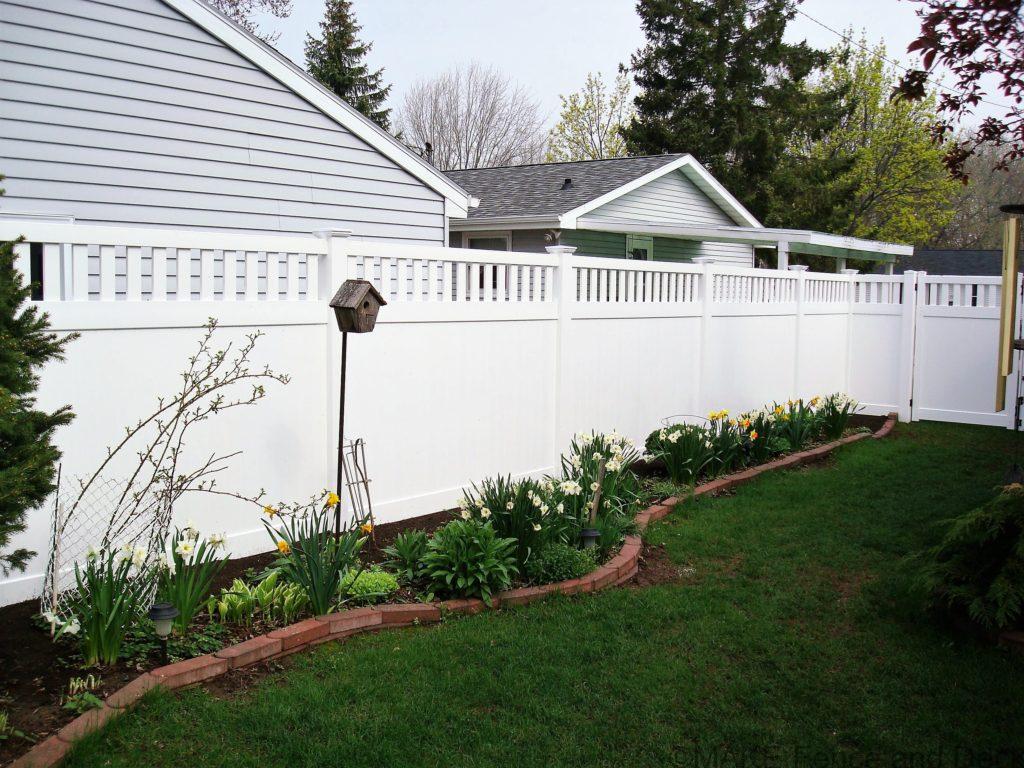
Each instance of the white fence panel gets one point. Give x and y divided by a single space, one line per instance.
481 363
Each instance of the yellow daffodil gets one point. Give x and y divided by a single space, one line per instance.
332 499
366 528
283 548
269 511
753 435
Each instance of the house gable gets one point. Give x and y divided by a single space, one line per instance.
127 112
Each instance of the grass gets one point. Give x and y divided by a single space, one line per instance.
797 637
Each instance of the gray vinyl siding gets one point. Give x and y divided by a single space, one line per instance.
529 240
675 199
125 112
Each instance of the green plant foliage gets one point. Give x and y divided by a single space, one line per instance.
185 580
80 697
405 553
517 510
834 414
373 585
110 597
312 557
270 600
467 558
796 422
560 562
7 730
978 568
27 455
141 645
686 450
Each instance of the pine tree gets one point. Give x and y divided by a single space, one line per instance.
718 81
27 456
336 59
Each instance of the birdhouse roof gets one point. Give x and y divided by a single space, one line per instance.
353 292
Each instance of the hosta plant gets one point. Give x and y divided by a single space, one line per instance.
186 577
467 558
312 557
405 553
112 591
271 599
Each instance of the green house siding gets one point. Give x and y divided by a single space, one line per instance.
595 243
672 249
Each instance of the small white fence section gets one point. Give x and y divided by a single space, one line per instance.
481 363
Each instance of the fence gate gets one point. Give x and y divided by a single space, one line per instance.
956 328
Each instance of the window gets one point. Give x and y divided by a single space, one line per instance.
640 247
487 241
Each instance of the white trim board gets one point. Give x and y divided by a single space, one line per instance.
696 172
301 83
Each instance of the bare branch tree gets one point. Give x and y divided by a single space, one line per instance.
241 12
473 117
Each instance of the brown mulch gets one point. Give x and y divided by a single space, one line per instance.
35 672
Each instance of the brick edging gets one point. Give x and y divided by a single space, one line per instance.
309 632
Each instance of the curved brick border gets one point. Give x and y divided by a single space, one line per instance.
335 626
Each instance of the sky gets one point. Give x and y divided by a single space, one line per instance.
549 46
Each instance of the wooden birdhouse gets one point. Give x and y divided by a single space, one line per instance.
356 305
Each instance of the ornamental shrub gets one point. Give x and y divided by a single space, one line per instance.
978 568
406 553
560 562
467 558
372 585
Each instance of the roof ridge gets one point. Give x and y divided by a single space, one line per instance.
567 162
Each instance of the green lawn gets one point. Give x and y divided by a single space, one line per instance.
796 638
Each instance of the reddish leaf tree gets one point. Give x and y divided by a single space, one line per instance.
976 41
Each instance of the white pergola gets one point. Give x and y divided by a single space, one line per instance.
784 241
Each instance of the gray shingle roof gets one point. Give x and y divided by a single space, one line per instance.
536 190
937 261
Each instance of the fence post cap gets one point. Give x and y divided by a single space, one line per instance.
703 260
326 234
557 249
850 271
797 267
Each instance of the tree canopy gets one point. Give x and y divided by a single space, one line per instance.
895 185
242 11
718 81
591 121
337 58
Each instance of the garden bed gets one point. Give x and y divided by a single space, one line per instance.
252 648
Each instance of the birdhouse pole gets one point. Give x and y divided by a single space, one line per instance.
341 434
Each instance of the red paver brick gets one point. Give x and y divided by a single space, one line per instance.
43 755
302 633
467 605
604 577
392 615
128 694
190 671
576 586
86 723
352 621
250 651
521 596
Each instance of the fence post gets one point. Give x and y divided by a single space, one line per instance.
908 337
707 298
332 273
850 302
801 277
565 296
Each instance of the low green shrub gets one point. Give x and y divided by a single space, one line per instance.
978 568
372 585
560 562
405 554
467 558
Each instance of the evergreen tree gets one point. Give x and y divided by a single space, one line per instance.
27 455
337 59
718 81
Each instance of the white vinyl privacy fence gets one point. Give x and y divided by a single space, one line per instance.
482 362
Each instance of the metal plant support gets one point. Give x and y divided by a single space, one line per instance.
357 480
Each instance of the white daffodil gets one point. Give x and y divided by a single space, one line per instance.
614 465
218 540
560 507
544 509
464 514
596 456
92 553
593 486
510 505
674 437
536 526
185 548
139 556
485 513
71 628
537 501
